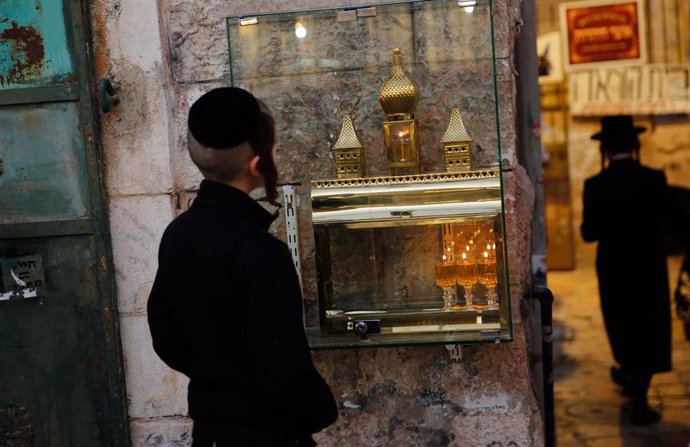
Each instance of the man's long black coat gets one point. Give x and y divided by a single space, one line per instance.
226 311
624 209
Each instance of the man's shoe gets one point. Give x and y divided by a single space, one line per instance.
644 416
621 379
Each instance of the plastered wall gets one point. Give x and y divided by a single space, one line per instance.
164 55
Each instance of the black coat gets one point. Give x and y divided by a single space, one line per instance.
624 209
226 311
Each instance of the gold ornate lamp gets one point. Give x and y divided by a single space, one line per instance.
398 97
349 151
456 144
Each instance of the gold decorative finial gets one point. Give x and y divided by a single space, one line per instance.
349 151
456 131
348 138
456 144
399 94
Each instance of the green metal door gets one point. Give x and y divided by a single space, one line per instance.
61 374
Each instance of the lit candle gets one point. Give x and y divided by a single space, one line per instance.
404 142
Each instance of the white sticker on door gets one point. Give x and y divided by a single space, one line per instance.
22 277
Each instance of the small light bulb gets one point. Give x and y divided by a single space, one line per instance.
300 31
467 5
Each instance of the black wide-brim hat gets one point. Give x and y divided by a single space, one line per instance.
616 127
224 117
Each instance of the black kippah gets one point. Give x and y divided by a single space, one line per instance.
223 117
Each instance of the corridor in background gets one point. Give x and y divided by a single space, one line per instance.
590 412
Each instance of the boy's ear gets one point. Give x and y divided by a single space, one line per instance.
254 166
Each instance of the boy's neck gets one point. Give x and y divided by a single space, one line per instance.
244 184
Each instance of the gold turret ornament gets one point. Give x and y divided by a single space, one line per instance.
456 144
349 151
398 97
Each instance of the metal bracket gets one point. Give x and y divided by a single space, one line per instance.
107 95
291 203
455 352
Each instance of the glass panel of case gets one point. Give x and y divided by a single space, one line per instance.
412 259
408 230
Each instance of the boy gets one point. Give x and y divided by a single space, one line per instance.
226 308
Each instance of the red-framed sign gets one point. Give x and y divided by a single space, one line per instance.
603 32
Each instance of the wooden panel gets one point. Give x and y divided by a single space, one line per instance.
557 203
672 29
684 31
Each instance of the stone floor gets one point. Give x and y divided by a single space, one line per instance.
589 410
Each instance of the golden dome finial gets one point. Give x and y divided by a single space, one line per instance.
399 94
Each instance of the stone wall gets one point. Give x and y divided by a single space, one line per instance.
163 56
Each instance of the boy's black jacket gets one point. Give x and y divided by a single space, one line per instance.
226 311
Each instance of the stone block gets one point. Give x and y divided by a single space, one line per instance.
137 224
173 432
133 32
136 147
153 389
482 430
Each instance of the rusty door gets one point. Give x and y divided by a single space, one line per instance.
61 374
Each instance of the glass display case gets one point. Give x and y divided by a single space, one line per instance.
387 119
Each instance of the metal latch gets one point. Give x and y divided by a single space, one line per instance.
491 334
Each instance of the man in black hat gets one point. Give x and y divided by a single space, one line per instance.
624 208
226 307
